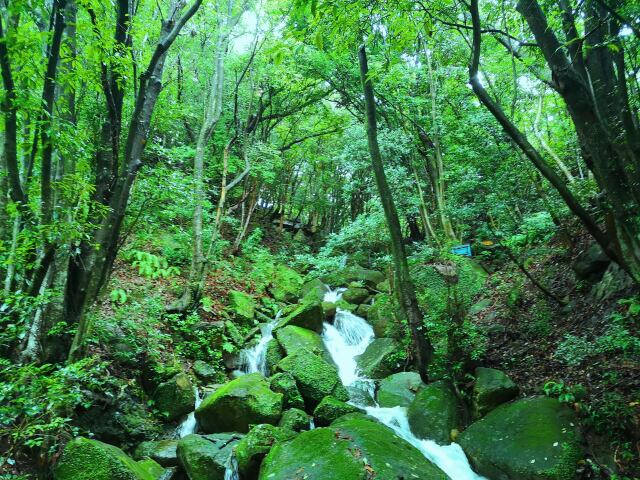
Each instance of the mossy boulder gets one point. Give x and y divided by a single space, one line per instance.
306 315
329 310
530 439
356 273
331 409
242 305
294 419
355 295
399 389
86 459
435 412
381 313
286 284
175 397
353 448
285 384
245 401
315 377
380 359
292 338
492 388
363 310
204 372
205 457
256 444
314 291
161 451
152 468
273 354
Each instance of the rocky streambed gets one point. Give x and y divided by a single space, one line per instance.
324 397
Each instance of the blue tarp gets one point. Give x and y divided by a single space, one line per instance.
464 250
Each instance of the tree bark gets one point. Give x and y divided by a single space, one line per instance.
404 286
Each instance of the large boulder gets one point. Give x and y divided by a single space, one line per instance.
273 354
161 451
355 295
306 315
353 448
295 419
492 388
531 439
591 264
292 338
285 384
399 389
435 412
86 459
152 468
205 457
245 401
175 397
242 305
331 409
315 377
256 444
356 273
286 284
204 371
380 359
314 291
381 313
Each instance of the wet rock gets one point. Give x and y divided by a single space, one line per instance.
314 291
355 295
242 305
86 459
273 354
204 372
399 389
492 388
294 419
292 338
306 315
530 439
329 309
175 397
205 457
353 448
591 264
363 310
370 278
245 401
435 412
330 409
161 451
285 384
380 359
286 285
256 444
152 468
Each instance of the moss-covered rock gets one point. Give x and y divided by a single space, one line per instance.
355 295
315 377
380 359
354 448
531 439
306 315
175 397
331 409
363 310
273 354
256 444
205 457
204 372
161 451
356 273
381 313
434 412
329 310
242 402
399 389
153 468
242 305
292 338
295 419
286 284
314 291
285 384
86 459
492 388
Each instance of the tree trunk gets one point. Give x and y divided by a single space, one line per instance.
404 286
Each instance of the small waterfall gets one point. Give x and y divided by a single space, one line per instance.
254 359
349 337
188 426
312 424
231 472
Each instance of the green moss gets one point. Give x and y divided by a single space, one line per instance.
530 439
306 315
399 389
355 295
205 457
242 305
434 412
315 377
175 397
286 284
153 468
294 419
292 338
161 451
491 389
242 402
313 291
380 359
273 355
256 444
285 384
86 459
331 409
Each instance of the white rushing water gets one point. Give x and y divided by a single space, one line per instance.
254 359
231 472
349 337
188 426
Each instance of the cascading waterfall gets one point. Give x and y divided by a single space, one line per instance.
188 426
231 472
254 359
349 337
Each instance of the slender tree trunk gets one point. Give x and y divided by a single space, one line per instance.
404 286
